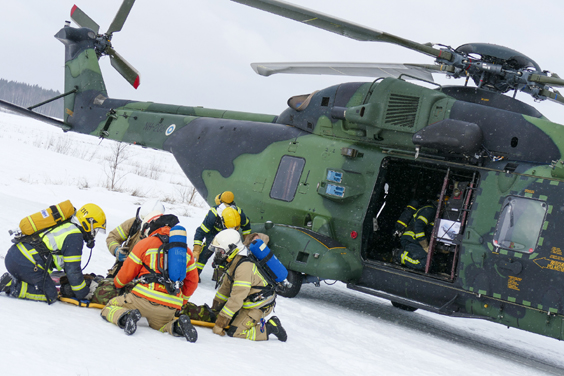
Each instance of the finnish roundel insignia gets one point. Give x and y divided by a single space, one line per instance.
170 129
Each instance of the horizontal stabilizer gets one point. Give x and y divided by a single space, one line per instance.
34 115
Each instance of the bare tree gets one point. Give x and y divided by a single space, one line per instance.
119 155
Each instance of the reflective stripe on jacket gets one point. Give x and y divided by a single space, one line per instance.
118 235
421 225
235 291
209 229
65 243
146 252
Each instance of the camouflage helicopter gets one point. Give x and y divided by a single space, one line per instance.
328 178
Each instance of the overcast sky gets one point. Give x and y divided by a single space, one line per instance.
198 53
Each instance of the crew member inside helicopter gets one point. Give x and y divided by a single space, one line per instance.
417 235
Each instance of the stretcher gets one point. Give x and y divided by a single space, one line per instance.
87 304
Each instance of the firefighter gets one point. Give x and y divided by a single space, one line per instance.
122 239
30 261
415 239
215 221
244 298
405 217
152 297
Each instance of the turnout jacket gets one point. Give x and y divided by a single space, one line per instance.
65 243
239 283
146 251
212 225
118 235
421 226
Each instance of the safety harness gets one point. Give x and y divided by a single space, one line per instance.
162 278
266 291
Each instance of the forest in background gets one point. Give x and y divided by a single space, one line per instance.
25 95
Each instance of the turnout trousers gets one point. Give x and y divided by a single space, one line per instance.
32 282
203 258
250 324
413 256
160 317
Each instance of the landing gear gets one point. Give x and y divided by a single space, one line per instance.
296 280
404 307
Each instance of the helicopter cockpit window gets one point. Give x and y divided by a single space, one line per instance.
287 178
519 225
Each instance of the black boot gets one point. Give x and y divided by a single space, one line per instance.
208 313
273 326
184 327
6 283
128 321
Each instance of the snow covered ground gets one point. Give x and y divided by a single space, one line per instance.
332 330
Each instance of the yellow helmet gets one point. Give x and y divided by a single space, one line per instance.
231 218
92 218
226 197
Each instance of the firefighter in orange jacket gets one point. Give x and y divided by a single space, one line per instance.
149 298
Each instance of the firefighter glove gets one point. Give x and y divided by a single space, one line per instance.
121 253
220 324
196 251
425 245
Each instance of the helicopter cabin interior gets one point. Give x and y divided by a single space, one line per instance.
399 183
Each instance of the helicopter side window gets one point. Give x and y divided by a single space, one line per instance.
519 225
287 178
300 102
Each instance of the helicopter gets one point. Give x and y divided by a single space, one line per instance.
328 178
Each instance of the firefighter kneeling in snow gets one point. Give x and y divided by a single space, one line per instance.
30 261
244 298
152 297
122 239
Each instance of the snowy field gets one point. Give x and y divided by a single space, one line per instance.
331 330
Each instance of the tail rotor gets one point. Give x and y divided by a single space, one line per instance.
103 41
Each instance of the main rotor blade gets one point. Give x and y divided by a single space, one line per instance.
339 26
81 19
345 69
124 68
554 80
121 16
552 96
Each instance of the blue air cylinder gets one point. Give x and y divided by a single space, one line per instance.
261 251
177 254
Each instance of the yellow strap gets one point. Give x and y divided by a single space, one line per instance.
32 224
61 214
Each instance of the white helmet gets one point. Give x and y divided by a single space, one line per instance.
151 206
227 244
147 220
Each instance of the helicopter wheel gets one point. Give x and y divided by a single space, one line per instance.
296 280
404 307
